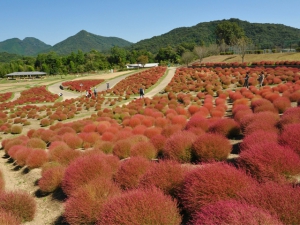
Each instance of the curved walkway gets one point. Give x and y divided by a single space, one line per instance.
54 88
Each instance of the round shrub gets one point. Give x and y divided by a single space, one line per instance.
234 213
258 137
19 203
131 171
72 140
87 202
166 175
281 201
211 183
2 181
84 169
16 129
291 115
122 148
36 143
209 147
7 218
282 104
270 161
290 137
198 121
51 179
226 127
21 156
144 149
178 146
140 207
36 158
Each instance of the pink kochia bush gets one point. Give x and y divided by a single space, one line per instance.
211 183
270 161
87 201
234 213
130 172
19 203
281 201
36 158
140 206
84 169
208 147
290 136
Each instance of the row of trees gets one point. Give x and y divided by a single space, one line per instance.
229 37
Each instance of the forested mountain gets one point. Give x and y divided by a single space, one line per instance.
29 46
264 35
7 57
86 41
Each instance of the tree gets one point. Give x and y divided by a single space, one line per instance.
201 52
229 32
242 46
143 59
187 57
166 55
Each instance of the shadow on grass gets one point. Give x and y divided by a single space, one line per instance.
60 221
57 195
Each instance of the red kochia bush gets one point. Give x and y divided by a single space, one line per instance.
36 158
226 127
131 171
36 143
234 213
19 203
291 115
209 147
2 182
140 207
178 146
22 155
51 179
270 161
84 169
87 202
7 218
258 137
122 148
144 149
166 175
290 136
211 183
282 104
282 201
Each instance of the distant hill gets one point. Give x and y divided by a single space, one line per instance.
86 41
8 57
83 40
29 46
265 34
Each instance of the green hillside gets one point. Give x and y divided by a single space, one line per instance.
29 46
262 34
86 41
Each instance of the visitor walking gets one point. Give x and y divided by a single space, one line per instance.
246 83
95 92
261 78
141 92
107 85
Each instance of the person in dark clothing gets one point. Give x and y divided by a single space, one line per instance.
95 92
261 78
246 83
142 92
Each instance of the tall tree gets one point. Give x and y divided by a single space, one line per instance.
201 52
229 32
242 46
143 59
187 57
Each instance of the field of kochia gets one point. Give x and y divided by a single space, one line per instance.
206 150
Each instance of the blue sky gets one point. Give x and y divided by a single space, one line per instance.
53 21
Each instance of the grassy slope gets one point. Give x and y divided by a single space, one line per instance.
255 57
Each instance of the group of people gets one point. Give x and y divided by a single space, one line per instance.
89 92
260 79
